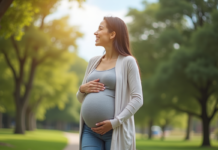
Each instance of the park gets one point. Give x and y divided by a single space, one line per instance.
45 47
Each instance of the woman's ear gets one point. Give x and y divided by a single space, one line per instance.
112 35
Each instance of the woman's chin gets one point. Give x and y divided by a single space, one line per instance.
97 44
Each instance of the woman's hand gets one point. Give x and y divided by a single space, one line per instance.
92 86
103 127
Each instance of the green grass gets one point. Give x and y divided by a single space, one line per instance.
33 140
173 143
41 139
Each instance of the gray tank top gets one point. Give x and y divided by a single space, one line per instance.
99 106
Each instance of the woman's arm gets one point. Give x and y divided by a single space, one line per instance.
134 83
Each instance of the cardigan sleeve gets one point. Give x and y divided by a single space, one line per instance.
134 83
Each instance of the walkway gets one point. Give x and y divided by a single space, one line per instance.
73 141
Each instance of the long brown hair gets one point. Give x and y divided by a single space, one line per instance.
121 41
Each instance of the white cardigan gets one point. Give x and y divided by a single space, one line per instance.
128 100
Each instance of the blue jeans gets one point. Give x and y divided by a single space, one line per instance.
94 141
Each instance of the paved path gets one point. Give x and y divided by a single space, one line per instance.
73 141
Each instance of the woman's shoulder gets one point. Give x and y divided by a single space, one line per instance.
129 59
94 58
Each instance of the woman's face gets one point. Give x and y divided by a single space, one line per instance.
103 37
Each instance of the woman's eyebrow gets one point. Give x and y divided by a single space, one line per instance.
100 26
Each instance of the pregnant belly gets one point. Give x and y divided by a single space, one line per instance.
98 107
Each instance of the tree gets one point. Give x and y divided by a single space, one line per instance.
13 23
69 113
38 45
52 86
147 34
157 34
6 86
193 68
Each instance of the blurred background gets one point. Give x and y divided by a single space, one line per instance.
45 46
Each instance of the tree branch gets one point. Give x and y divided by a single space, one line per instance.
25 50
15 47
42 22
50 55
29 83
197 88
9 64
34 106
38 103
186 111
197 97
211 91
208 84
214 110
4 5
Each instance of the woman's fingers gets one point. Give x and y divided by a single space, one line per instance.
100 132
98 86
94 86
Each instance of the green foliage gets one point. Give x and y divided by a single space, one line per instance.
22 13
41 49
13 23
176 77
148 35
6 87
71 111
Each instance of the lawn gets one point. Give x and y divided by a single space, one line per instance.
33 140
173 143
55 140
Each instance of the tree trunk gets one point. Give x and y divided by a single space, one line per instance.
1 120
63 125
20 120
163 127
142 129
33 122
205 123
4 5
47 124
30 114
150 135
206 133
22 101
29 121
189 126
8 121
58 125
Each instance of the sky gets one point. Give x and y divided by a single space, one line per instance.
89 17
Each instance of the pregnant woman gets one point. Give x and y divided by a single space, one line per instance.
111 92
